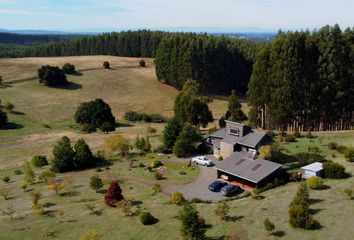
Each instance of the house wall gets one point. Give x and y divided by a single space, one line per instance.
243 183
226 149
308 174
233 125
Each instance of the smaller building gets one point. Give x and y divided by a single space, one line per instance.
247 173
313 169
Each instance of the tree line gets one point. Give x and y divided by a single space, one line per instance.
219 64
30 39
304 81
142 43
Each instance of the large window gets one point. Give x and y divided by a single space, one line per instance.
235 132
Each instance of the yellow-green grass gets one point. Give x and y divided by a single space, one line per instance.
330 207
43 115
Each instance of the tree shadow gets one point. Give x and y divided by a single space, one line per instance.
13 126
316 200
77 74
102 191
233 218
215 238
123 125
208 226
49 213
70 86
136 202
83 200
70 194
314 211
18 113
4 85
278 234
316 226
49 204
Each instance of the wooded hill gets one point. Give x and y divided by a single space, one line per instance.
305 81
30 39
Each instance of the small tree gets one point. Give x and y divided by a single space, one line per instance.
190 227
156 189
222 209
268 226
177 198
142 63
234 112
106 65
171 132
83 155
60 214
64 155
6 179
47 176
116 143
9 211
29 174
5 192
114 194
35 197
56 186
69 68
91 208
9 107
146 218
96 183
39 161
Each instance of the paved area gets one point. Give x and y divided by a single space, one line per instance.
199 188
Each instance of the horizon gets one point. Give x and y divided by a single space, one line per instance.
224 16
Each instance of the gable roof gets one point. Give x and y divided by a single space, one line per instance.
313 167
252 170
251 139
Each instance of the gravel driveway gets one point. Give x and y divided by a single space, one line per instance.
199 188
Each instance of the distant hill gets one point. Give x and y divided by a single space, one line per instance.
30 39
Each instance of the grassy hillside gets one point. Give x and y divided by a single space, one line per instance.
45 114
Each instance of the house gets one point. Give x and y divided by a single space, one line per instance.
246 172
313 169
235 137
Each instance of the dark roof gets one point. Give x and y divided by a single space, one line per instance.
251 139
252 170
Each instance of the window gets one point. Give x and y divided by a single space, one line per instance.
235 132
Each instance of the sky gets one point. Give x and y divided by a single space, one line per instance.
270 15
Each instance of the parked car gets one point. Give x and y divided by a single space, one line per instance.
216 186
202 160
230 190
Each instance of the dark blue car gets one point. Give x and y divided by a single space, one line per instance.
230 190
216 186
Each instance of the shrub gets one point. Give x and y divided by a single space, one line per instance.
91 235
349 154
6 179
177 198
314 149
156 189
47 176
332 145
306 158
158 175
146 218
333 170
141 165
341 149
268 226
349 193
271 133
156 164
9 107
142 63
220 158
222 209
52 76
69 68
30 176
39 161
87 128
297 134
138 117
309 135
114 194
107 127
106 65
95 113
315 182
290 138
18 172
151 130
96 183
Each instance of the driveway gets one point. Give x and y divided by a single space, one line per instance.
199 188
